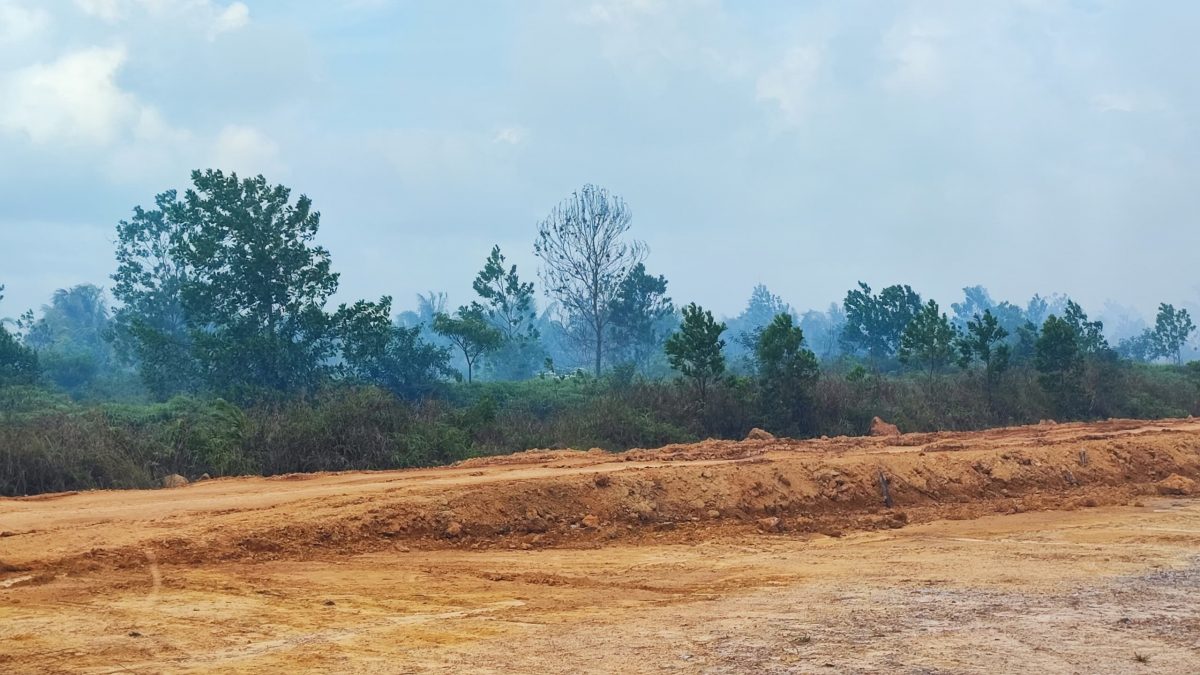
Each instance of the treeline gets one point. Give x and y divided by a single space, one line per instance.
224 355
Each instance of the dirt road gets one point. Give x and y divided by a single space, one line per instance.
1072 548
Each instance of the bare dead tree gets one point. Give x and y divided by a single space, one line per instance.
584 259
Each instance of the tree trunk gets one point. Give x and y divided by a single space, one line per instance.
599 347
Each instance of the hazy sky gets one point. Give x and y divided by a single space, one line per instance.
1030 145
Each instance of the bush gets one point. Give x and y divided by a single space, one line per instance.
49 442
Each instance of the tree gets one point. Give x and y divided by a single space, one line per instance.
976 301
18 364
641 316
507 301
509 307
1172 328
72 337
787 371
376 351
823 329
470 331
929 340
1059 364
983 341
1037 310
585 259
875 323
762 308
252 284
1089 334
150 330
695 349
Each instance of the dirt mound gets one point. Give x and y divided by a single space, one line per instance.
757 434
1177 485
557 498
881 428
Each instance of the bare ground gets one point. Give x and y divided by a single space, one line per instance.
1050 549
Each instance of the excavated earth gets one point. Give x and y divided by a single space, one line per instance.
1057 548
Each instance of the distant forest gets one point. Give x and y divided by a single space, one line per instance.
223 354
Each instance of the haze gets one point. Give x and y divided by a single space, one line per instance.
1032 146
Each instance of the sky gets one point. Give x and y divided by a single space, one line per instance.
1029 145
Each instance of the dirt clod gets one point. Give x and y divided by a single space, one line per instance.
1177 485
770 524
881 428
757 434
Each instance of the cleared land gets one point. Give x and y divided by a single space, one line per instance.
1070 548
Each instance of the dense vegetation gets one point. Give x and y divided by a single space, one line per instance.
224 356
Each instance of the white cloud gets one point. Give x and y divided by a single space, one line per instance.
18 23
232 17
511 135
915 52
74 99
209 16
789 84
107 10
247 151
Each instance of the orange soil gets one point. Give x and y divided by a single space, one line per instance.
775 555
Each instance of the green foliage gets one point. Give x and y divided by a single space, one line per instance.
375 351
929 341
1059 363
237 255
695 349
150 330
507 301
983 342
509 307
787 371
875 323
18 364
470 331
1172 329
642 315
1089 335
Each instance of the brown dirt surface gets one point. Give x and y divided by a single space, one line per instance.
1043 548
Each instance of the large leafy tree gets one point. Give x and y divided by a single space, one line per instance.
695 349
251 284
875 323
787 371
929 340
642 314
1172 329
470 331
983 342
585 257
150 329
